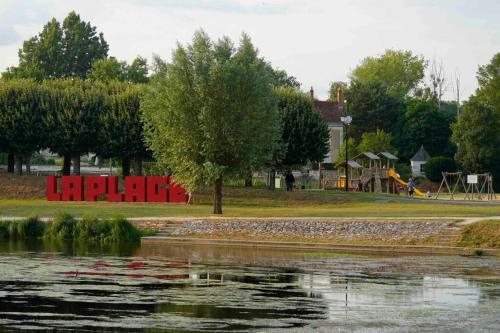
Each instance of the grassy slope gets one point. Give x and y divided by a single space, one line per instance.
481 234
256 202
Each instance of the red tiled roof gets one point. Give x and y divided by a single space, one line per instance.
329 110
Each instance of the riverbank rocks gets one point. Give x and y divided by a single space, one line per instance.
348 229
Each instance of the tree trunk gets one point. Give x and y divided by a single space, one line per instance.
218 196
10 163
125 166
138 165
19 165
76 165
248 180
272 177
28 164
66 165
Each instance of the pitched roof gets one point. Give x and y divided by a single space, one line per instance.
352 164
329 110
387 155
368 154
421 155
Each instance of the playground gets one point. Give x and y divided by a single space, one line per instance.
376 173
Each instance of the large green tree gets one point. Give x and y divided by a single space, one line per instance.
121 128
74 119
476 131
376 142
212 113
60 51
304 133
400 71
372 108
22 114
423 124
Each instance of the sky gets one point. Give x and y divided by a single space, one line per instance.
317 41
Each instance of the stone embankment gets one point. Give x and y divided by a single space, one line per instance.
379 231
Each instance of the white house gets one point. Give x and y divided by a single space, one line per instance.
418 161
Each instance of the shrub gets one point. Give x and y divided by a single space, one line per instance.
4 229
436 165
30 228
123 231
404 170
63 227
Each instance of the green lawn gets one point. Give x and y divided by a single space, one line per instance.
255 202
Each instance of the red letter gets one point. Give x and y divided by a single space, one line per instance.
96 185
52 194
72 188
113 194
176 193
157 189
135 189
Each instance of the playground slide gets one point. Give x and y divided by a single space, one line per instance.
394 175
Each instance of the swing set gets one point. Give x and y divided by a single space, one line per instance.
478 185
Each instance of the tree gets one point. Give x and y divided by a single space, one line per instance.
335 88
352 150
476 131
22 113
423 124
121 127
106 70
73 119
400 71
437 81
378 141
304 133
212 113
280 78
437 165
60 51
372 108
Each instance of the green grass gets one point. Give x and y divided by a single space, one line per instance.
483 234
259 202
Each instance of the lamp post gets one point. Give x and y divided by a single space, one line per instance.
346 121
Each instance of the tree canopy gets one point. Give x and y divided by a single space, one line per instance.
211 113
304 133
476 131
400 71
376 142
60 51
106 70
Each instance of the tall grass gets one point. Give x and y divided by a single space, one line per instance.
66 228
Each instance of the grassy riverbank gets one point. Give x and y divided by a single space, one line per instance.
258 202
483 234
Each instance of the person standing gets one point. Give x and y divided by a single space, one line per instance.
411 187
289 180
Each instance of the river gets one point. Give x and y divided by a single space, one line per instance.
157 287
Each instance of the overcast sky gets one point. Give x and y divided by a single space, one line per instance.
317 41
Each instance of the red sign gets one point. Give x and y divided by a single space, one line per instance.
137 189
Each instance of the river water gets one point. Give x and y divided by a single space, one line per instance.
157 287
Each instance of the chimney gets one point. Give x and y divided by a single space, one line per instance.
311 92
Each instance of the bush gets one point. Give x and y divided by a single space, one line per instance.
404 170
436 165
29 228
63 227
123 231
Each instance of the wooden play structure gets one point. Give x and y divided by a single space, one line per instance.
478 186
369 172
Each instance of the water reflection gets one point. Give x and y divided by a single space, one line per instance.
217 289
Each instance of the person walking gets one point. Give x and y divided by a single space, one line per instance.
289 180
411 187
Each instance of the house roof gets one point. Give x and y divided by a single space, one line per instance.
367 154
329 110
421 155
352 164
387 155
